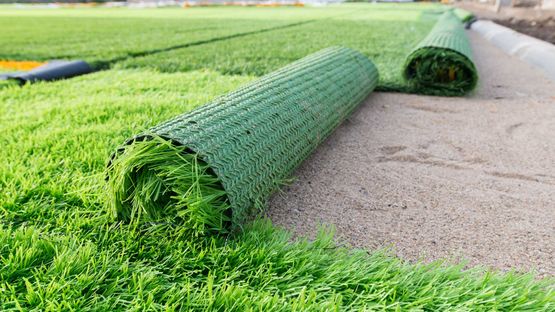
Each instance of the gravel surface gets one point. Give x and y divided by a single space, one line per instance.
441 178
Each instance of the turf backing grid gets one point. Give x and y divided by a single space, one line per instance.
59 250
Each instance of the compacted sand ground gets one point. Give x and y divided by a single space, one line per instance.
441 178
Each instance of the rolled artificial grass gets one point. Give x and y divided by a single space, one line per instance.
228 156
464 15
441 64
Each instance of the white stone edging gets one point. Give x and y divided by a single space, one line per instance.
536 52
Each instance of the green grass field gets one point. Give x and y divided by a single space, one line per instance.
61 251
104 35
369 31
177 40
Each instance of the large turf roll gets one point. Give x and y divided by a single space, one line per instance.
209 168
441 64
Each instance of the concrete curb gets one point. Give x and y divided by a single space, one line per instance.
531 50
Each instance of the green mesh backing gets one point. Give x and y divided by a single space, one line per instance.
445 50
253 138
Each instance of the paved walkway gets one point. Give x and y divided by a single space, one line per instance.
441 178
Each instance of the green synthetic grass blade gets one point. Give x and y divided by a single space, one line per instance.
442 63
9 83
154 180
251 139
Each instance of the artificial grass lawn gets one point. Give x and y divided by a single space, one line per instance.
137 38
4 83
101 36
231 40
9 83
384 33
60 249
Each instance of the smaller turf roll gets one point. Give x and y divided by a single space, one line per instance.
464 15
441 64
208 169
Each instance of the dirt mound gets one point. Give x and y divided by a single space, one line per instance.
540 28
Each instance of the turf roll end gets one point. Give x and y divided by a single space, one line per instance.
441 71
442 63
155 181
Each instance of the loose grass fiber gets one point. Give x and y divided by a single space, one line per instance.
441 64
211 167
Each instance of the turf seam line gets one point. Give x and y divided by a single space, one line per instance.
102 65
